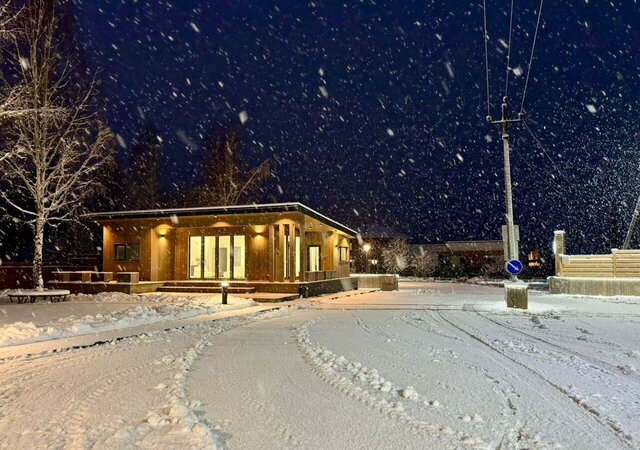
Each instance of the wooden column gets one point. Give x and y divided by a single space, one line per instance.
303 253
280 254
271 252
292 252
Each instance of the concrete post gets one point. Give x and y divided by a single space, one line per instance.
559 249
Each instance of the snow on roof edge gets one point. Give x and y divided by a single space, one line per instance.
210 210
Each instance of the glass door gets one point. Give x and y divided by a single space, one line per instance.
195 257
209 257
224 257
239 250
217 257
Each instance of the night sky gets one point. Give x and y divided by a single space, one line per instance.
374 111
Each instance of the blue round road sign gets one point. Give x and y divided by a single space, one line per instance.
514 267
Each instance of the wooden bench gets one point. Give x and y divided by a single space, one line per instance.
31 295
128 277
83 276
102 276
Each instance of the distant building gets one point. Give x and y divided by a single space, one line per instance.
473 255
366 256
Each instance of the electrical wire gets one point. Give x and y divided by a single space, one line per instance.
533 47
506 83
486 56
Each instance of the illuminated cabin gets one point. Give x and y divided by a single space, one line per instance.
273 243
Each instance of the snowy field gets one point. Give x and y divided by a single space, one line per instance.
435 365
89 314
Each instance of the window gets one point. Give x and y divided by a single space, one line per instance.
127 252
315 259
344 254
195 257
217 257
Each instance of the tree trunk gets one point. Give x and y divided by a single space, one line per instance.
38 282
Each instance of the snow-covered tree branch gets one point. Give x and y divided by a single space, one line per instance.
58 145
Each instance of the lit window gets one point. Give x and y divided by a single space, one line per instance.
127 252
315 261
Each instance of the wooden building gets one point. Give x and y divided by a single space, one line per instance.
270 243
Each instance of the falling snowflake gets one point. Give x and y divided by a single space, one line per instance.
390 132
243 117
592 109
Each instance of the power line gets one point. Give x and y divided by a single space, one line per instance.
486 56
533 47
506 83
544 151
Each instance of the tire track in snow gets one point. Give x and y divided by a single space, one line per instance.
366 386
512 428
612 428
595 362
270 421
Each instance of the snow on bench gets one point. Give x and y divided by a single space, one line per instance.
30 295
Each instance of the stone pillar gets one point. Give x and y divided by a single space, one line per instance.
559 250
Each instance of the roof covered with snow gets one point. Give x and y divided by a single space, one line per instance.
219 210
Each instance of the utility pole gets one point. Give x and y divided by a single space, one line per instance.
512 244
632 226
613 240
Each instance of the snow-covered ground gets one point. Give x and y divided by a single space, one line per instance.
88 314
435 365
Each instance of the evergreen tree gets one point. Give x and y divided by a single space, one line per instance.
142 172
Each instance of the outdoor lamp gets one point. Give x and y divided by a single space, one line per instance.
225 289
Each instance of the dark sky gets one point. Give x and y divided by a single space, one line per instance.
373 111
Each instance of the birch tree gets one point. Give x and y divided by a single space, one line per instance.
58 148
8 93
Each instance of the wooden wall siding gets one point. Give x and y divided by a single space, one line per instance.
257 267
127 235
324 240
163 242
343 269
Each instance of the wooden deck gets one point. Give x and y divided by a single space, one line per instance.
250 289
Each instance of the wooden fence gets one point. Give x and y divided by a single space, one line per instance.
618 264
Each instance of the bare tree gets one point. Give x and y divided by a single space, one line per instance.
424 262
8 93
227 180
143 170
58 149
395 255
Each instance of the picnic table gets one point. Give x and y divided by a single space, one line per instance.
30 295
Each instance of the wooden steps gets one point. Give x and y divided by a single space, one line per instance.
204 287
